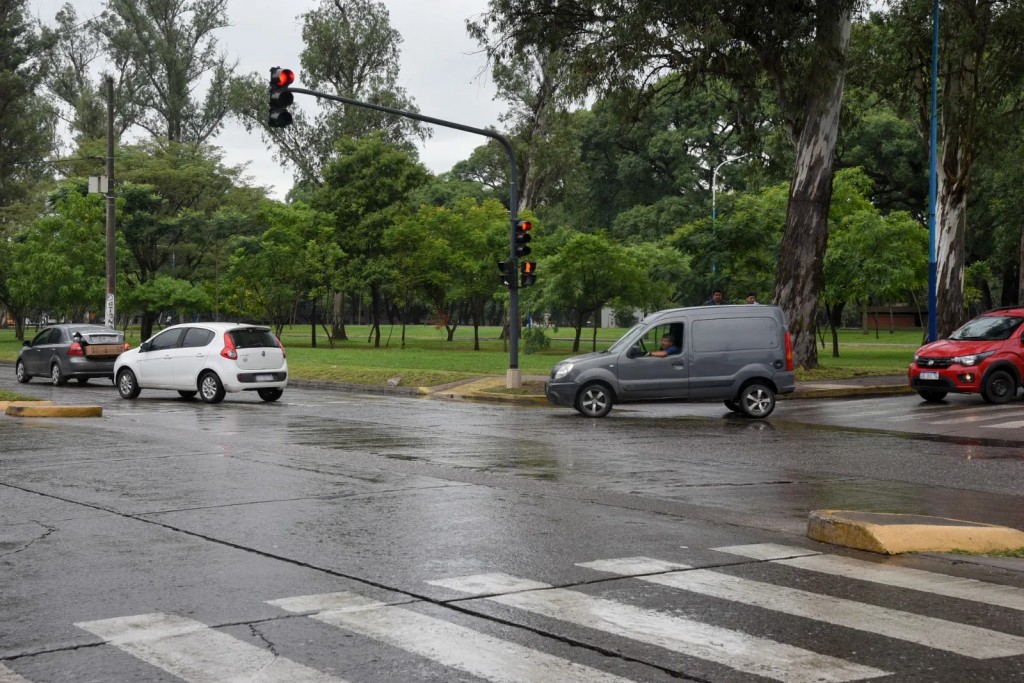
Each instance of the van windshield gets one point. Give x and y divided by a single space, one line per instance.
627 339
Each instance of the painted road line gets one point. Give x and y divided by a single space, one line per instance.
1010 597
454 646
193 651
734 649
1005 425
962 639
8 676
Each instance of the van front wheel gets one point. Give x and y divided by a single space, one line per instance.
757 400
594 400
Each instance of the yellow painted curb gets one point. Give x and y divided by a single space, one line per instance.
4 405
54 411
892 534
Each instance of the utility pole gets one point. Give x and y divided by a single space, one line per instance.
109 319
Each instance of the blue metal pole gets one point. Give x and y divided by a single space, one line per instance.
933 181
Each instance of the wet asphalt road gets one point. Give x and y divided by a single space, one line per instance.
170 539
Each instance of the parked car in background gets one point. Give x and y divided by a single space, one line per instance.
210 359
69 351
985 356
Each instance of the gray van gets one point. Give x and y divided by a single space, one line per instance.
738 354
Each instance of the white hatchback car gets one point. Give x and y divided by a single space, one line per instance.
210 359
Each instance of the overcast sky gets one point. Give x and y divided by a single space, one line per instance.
441 70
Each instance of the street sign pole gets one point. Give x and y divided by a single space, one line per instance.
109 318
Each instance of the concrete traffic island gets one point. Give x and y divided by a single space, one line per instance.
892 534
4 405
35 409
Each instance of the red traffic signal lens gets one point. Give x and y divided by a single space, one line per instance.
281 78
525 226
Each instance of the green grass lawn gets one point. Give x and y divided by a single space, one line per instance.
430 360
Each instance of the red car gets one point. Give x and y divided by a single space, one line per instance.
985 356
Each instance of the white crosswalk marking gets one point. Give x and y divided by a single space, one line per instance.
963 639
899 577
462 648
750 654
195 652
8 676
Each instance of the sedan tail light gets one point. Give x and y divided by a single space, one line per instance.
229 350
75 349
127 346
789 352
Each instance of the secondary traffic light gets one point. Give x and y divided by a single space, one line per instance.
523 238
507 268
280 97
528 274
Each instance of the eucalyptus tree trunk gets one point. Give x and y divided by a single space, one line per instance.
799 277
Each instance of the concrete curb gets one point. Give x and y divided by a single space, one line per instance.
893 534
25 410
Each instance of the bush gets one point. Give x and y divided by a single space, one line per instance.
535 340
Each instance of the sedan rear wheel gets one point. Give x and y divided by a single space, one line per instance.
269 395
211 390
187 395
757 400
127 385
56 376
21 373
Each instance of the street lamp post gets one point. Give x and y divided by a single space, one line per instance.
714 186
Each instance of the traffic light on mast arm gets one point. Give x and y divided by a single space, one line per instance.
507 268
528 274
280 97
523 238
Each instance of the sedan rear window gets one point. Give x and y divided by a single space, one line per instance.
988 328
253 338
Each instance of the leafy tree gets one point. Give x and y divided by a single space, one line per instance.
74 47
870 256
797 47
295 259
168 46
587 273
981 67
352 51
58 261
365 190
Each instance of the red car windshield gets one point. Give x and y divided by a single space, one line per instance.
988 328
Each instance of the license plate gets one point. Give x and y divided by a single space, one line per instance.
929 375
270 378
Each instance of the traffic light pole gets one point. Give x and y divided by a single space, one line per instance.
513 378
109 317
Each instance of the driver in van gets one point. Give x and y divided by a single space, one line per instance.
668 347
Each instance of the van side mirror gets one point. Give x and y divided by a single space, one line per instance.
634 352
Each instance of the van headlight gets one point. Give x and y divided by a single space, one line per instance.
972 359
561 371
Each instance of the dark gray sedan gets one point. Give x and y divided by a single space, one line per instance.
63 352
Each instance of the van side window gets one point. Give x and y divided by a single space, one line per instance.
735 334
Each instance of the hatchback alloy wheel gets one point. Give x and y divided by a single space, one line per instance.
21 373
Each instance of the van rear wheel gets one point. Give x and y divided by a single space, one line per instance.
733 406
757 400
594 400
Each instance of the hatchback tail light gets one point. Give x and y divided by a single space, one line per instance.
283 353
229 350
127 346
75 349
789 352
